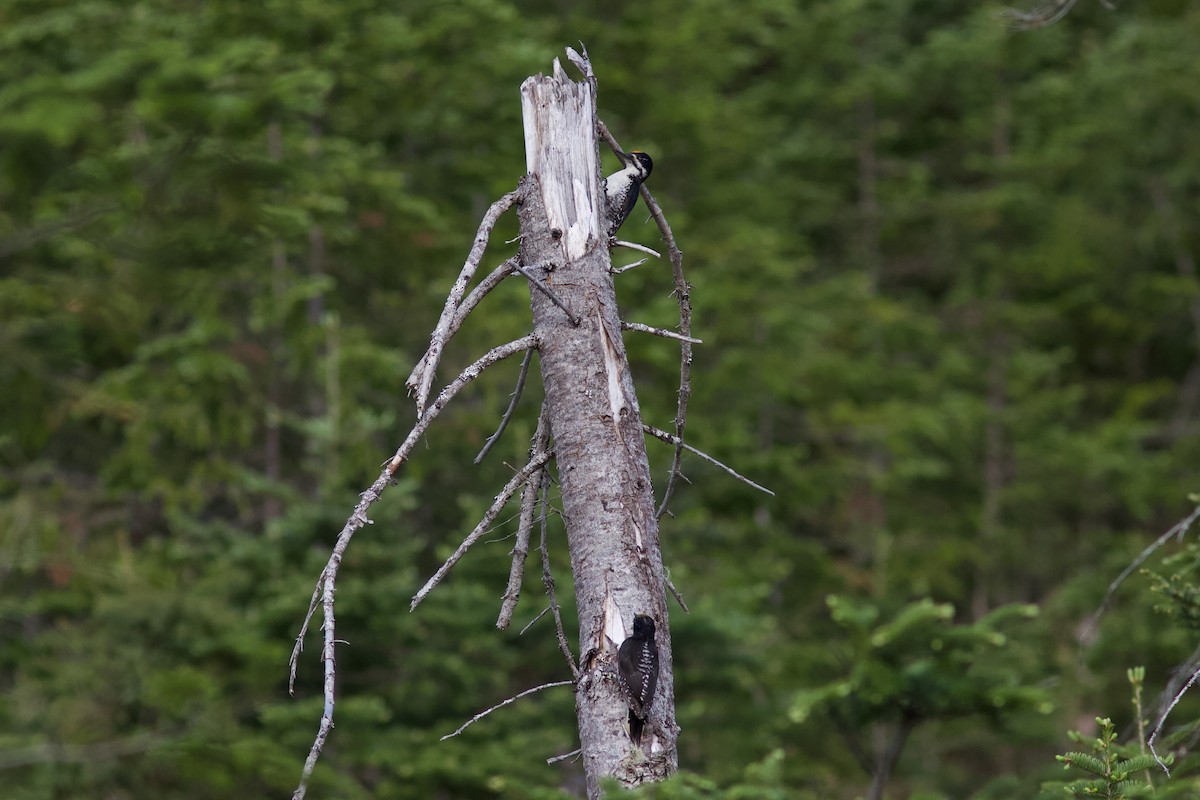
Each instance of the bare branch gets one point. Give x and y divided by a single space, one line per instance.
678 597
637 326
635 246
581 62
328 685
1191 667
506 494
548 582
298 647
509 701
441 333
1162 718
327 580
546 290
675 440
494 279
493 356
564 756
529 624
627 267
520 551
1179 529
1180 675
512 407
683 295
541 442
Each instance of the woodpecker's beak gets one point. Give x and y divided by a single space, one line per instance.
626 159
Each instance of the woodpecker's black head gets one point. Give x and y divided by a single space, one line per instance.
643 161
643 625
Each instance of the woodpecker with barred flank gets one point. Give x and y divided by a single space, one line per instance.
637 665
621 188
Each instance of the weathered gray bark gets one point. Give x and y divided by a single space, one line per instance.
599 447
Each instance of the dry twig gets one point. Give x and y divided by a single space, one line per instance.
512 407
520 551
678 595
1191 667
541 443
627 267
1162 718
326 582
1179 529
683 295
675 440
529 624
548 582
573 754
509 701
493 279
535 463
493 356
421 380
641 248
541 286
637 326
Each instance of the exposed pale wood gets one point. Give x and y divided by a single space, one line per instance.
555 112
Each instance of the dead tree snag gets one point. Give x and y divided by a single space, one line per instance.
596 426
590 428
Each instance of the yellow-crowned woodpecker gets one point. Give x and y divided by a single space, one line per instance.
637 664
621 188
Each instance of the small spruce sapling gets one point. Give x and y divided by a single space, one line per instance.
1119 771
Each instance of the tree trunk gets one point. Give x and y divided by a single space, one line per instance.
608 501
995 440
886 758
273 444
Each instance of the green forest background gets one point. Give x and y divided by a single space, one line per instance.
945 274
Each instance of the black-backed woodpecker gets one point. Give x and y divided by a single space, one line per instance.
637 663
621 188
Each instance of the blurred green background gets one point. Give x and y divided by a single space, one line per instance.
945 273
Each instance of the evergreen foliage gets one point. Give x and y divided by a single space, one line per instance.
1178 587
946 278
1117 777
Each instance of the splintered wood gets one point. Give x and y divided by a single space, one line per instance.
555 110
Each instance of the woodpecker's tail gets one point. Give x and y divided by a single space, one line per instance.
636 724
